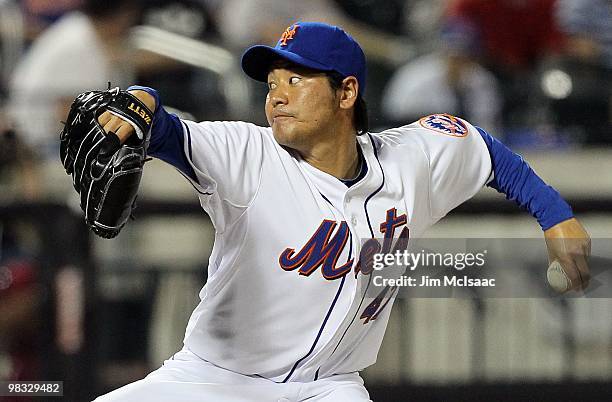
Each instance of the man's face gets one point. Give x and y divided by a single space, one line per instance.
301 106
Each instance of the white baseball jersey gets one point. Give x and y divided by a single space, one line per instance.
283 298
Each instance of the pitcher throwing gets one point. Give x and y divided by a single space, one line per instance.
284 315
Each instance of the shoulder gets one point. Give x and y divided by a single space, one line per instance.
437 137
234 135
231 128
434 128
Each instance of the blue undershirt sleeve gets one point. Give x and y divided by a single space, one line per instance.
167 138
517 180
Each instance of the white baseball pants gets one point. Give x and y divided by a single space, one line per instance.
187 378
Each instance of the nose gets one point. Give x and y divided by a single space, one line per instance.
278 96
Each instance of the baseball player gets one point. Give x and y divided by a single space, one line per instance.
284 315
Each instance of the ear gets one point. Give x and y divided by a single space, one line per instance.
348 92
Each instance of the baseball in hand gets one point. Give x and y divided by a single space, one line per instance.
557 278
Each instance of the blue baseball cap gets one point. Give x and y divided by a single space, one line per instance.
310 44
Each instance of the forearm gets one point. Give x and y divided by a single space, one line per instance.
517 180
167 139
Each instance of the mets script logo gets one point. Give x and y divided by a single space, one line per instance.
325 246
288 34
445 124
322 250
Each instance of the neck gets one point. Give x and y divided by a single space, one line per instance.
338 158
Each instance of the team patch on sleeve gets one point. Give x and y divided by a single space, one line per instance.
445 124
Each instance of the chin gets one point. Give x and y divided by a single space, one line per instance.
286 136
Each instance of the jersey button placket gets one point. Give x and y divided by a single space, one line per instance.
348 212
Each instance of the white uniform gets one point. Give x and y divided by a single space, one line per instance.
285 301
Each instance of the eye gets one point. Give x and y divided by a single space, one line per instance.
294 80
271 85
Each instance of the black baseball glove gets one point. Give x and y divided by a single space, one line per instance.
105 173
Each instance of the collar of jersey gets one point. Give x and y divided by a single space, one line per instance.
363 169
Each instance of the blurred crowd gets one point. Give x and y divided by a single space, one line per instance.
535 73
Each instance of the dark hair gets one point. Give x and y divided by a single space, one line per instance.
360 116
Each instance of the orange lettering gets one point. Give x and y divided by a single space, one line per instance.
140 112
288 34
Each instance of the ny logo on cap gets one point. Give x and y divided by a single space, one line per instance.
288 34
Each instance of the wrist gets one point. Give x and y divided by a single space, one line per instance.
550 209
145 98
146 95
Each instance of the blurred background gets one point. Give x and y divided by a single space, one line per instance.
98 314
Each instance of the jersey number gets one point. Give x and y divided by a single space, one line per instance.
373 310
